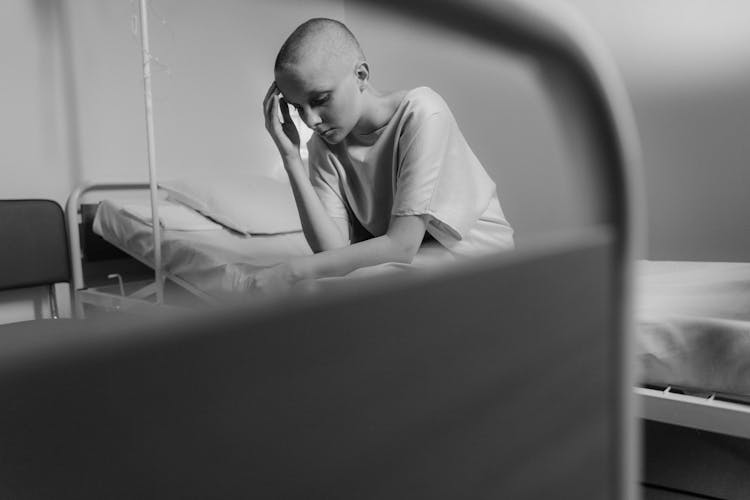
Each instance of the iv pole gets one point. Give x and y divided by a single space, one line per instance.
151 152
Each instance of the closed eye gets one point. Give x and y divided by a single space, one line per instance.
320 100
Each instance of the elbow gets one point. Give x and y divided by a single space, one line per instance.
318 246
404 253
316 250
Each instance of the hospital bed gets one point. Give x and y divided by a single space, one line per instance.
199 262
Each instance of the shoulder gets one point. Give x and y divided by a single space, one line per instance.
316 145
423 110
319 155
423 101
317 148
422 107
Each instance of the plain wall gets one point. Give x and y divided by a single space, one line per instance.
72 102
686 66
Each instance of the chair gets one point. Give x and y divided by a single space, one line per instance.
34 251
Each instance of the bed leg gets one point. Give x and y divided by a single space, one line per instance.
53 302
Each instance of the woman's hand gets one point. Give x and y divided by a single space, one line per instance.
273 280
283 133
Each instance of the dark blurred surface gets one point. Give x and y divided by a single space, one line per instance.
467 385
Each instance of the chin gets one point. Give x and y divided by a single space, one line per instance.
333 138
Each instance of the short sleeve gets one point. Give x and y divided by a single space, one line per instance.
439 176
326 180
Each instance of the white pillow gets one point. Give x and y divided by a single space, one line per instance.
245 203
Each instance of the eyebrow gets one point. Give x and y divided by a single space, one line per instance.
310 94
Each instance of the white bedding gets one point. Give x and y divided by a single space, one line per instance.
693 324
217 261
201 258
172 216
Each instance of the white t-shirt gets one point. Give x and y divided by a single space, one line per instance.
417 164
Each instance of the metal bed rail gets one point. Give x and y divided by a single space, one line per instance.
80 294
711 411
73 219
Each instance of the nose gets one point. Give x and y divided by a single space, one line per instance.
310 117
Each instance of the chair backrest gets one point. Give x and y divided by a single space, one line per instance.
34 248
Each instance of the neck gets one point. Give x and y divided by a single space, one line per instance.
377 110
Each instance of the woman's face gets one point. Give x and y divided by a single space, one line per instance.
326 94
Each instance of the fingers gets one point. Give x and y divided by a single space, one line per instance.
280 125
273 88
273 101
270 100
269 108
271 112
269 280
285 110
267 98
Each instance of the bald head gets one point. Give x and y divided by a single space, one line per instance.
322 40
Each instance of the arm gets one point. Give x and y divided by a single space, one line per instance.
400 244
321 231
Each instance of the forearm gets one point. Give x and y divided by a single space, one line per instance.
342 261
321 232
399 244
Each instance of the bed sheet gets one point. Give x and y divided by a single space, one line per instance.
693 325
201 258
220 261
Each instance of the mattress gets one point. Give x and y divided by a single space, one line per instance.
217 260
206 259
693 325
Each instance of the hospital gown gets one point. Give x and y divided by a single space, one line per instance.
417 164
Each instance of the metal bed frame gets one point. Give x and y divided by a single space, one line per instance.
713 411
140 300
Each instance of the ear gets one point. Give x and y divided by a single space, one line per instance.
362 72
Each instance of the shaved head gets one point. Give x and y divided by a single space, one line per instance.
321 71
322 40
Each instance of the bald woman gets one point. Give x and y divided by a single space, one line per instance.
388 171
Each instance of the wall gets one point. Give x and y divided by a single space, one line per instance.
686 65
73 100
